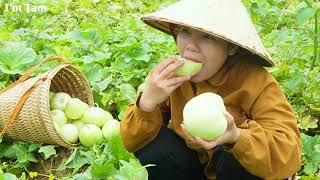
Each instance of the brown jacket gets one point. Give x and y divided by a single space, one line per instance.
269 145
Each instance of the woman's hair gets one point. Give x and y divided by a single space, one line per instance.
172 32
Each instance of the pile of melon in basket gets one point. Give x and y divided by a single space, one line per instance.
75 121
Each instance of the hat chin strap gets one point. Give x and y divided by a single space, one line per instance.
171 28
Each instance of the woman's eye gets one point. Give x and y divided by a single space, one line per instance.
207 36
185 30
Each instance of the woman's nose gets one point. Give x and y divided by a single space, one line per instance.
192 45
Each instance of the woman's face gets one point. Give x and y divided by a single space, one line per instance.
201 47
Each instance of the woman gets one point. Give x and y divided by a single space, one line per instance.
262 140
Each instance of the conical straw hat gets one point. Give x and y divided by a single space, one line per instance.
226 19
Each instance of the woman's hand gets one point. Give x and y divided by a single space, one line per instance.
229 137
161 84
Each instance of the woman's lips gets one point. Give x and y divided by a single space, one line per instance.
192 59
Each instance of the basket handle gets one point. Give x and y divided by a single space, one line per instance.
27 74
25 96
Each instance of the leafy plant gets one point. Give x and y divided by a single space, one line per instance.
107 41
311 154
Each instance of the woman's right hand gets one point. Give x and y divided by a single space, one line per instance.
161 84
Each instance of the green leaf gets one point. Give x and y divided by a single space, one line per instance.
33 147
14 56
89 155
128 95
4 34
305 14
307 122
77 159
93 74
2 85
311 154
75 35
128 92
7 151
310 168
117 149
80 177
64 51
283 36
133 170
65 162
105 170
102 85
8 176
23 156
47 151
138 55
98 57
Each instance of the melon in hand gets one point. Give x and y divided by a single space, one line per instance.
203 116
189 68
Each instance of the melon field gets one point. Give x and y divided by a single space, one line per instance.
114 50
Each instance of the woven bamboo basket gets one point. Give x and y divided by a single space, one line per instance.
32 122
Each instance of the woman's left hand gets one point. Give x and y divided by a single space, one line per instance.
229 137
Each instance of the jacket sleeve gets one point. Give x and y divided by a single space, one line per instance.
138 127
269 146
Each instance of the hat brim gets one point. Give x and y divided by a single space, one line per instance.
162 24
